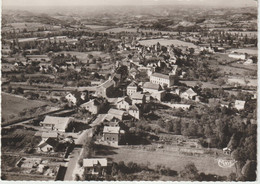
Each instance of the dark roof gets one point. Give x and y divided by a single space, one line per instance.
51 142
150 85
160 75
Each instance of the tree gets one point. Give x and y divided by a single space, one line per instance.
190 172
249 170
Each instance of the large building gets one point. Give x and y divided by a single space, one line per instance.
162 79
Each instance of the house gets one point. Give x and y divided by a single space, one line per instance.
95 166
106 89
131 88
162 79
240 105
47 145
38 58
76 97
237 56
111 135
155 90
138 98
56 123
47 135
151 87
119 114
124 103
181 106
189 94
135 111
94 106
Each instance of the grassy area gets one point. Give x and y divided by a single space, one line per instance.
12 105
204 84
167 42
173 160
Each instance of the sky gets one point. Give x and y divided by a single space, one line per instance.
26 3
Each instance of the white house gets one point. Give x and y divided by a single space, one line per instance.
124 103
138 98
93 106
188 94
162 79
76 96
119 114
95 166
131 88
56 123
135 111
237 56
240 105
47 145
181 106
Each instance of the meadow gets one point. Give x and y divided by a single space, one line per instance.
12 105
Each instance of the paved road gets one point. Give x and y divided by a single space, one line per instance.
74 157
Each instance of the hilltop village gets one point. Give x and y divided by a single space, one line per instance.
128 102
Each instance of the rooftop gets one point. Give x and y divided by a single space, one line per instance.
90 162
58 122
116 111
150 85
137 95
160 75
110 129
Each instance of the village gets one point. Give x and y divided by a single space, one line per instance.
86 104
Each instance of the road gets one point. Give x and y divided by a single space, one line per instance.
76 154
74 157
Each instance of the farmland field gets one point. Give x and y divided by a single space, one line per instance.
243 82
96 27
121 29
12 105
173 160
167 42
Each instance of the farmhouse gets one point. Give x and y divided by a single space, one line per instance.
124 103
47 145
111 135
119 114
135 111
131 88
106 88
138 98
162 79
95 166
240 105
151 87
56 123
189 94
76 97
94 106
